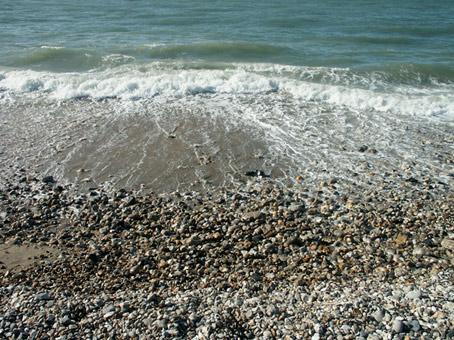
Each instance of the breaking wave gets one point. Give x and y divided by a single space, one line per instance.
374 91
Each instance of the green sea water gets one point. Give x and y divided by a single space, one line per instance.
286 87
373 55
408 35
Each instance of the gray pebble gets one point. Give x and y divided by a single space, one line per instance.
398 326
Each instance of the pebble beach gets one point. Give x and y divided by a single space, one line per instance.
203 170
256 261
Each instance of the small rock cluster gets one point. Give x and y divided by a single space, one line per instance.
256 261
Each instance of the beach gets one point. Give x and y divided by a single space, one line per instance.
135 225
256 261
226 170
223 239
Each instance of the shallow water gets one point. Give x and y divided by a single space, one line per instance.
172 93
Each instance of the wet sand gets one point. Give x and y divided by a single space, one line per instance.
170 147
15 258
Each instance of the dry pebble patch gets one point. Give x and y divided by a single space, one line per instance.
253 261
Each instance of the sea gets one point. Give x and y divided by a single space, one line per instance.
181 93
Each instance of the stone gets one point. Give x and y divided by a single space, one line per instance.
448 244
109 308
198 265
316 336
108 315
124 307
161 323
271 310
418 251
414 294
252 215
295 207
48 179
256 173
194 240
45 296
398 326
65 320
267 334
378 315
415 326
401 239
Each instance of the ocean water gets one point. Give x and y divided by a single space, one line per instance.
290 87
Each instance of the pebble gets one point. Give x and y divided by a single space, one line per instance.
378 315
398 326
415 326
43 296
414 294
65 320
249 262
108 315
48 179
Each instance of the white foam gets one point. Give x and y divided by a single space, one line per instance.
415 102
117 59
52 47
129 82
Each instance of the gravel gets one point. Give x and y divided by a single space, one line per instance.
253 261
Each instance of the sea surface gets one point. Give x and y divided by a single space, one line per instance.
182 91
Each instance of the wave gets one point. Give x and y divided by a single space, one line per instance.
421 31
220 55
218 50
63 59
57 58
317 85
371 39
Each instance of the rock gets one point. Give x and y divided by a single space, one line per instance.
252 215
108 315
135 269
401 239
418 251
48 179
414 294
267 334
204 331
415 326
448 244
449 306
233 263
45 296
271 310
173 332
378 315
412 180
296 207
398 326
316 336
65 320
109 308
256 173
161 323
194 240
124 307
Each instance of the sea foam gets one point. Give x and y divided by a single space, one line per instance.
335 87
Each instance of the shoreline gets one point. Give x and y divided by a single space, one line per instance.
255 260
